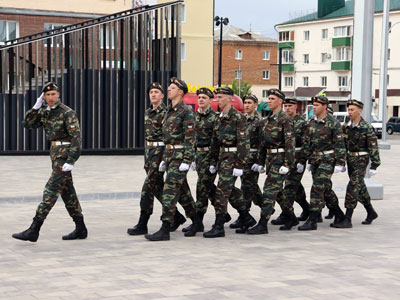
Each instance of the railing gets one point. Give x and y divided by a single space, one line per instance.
102 66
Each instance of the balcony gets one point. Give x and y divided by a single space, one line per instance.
286 45
342 41
287 67
340 65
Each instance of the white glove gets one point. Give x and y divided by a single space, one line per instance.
340 169
261 169
39 102
237 172
300 168
212 169
193 166
309 167
162 167
372 172
183 167
255 167
283 170
67 167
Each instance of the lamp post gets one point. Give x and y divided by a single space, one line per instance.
220 21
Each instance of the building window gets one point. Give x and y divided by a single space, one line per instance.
289 81
324 81
110 32
266 55
265 74
183 13
287 56
238 54
306 59
59 39
387 80
183 51
324 34
8 30
324 57
307 35
342 81
305 81
342 53
341 31
388 54
238 74
284 36
265 94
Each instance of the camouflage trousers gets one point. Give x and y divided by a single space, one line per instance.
250 188
356 188
154 182
273 187
176 189
293 191
205 188
226 190
59 183
321 190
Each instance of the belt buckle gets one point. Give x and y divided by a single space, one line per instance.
354 154
318 153
151 144
223 149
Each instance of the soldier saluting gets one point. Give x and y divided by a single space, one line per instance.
61 126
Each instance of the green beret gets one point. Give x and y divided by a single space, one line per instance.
356 103
179 83
205 91
50 86
224 90
251 97
276 92
320 99
155 85
290 101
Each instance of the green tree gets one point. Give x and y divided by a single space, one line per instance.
245 88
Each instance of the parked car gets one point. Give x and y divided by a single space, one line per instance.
343 118
393 125
191 99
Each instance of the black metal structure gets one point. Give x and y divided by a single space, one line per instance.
102 66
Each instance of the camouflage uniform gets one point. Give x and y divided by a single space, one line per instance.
154 182
205 188
60 123
250 188
362 145
325 135
230 131
276 133
179 137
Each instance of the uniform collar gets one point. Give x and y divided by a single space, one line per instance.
206 112
159 108
228 114
177 107
277 115
322 120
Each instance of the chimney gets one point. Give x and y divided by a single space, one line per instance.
325 7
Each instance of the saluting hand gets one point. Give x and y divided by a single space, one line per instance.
39 102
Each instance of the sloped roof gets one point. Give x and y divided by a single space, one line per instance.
232 33
347 10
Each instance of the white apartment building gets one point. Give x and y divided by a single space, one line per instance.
317 54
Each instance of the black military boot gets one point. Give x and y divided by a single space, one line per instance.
330 215
260 228
371 214
217 229
306 209
141 226
319 218
237 224
80 231
197 226
311 223
291 221
179 219
201 229
227 217
162 234
31 234
280 220
247 221
346 221
339 215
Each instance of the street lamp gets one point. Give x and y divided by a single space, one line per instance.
240 74
220 21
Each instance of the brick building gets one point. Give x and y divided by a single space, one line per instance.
247 56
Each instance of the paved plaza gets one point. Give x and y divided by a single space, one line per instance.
358 263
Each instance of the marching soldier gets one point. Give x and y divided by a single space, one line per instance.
276 150
325 151
154 149
362 146
229 151
179 139
250 188
61 126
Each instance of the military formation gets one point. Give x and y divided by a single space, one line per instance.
229 144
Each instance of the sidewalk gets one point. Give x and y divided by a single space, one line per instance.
358 263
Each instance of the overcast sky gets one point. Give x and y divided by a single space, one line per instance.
262 15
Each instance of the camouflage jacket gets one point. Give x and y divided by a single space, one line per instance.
230 130
153 133
178 129
253 127
204 126
60 123
324 135
301 130
362 138
276 131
